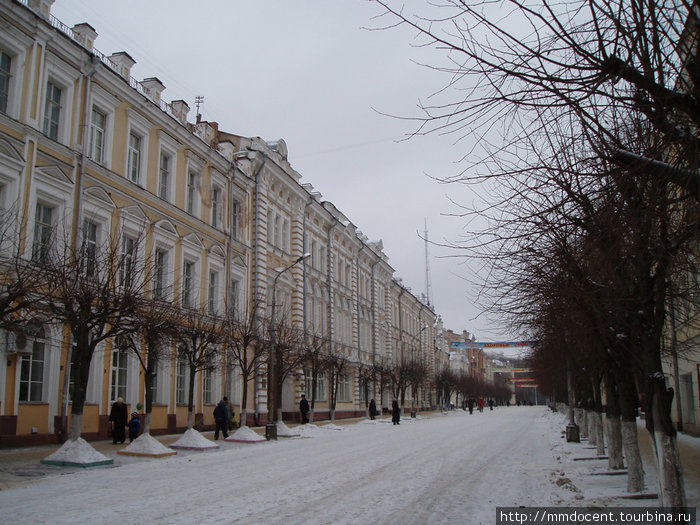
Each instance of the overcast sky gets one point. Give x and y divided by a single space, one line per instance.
308 71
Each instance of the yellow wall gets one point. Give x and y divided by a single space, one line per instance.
32 415
159 417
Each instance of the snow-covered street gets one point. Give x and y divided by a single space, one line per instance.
452 468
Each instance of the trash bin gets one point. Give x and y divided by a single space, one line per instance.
271 431
572 433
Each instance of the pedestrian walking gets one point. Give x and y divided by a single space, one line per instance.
490 404
134 426
470 404
395 413
118 416
481 404
229 407
221 419
304 409
372 409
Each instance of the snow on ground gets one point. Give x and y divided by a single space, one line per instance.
449 469
147 445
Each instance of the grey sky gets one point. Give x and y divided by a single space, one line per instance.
306 71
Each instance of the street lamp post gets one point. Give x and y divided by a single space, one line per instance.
273 357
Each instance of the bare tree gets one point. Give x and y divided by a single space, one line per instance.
578 70
94 291
243 346
314 358
336 364
199 338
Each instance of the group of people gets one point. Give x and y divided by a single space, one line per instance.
395 410
471 402
120 421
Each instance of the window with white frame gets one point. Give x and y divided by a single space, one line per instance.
192 197
5 77
128 260
43 232
188 276
215 207
344 388
90 232
165 175
160 270
133 169
120 372
234 301
213 292
96 146
207 386
52 110
32 367
278 230
235 218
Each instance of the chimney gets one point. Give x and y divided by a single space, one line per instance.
153 87
180 110
43 7
85 34
122 63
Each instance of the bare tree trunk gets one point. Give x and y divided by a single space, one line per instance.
590 422
75 426
147 423
613 430
584 424
311 415
635 470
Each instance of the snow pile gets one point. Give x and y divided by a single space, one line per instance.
308 430
77 453
245 435
147 445
193 440
331 426
284 431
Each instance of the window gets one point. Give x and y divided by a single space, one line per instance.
213 291
154 386
43 230
5 65
160 265
284 244
90 247
206 386
180 382
120 360
215 206
128 257
52 110
97 136
31 382
164 177
233 296
190 205
134 158
344 388
187 281
235 218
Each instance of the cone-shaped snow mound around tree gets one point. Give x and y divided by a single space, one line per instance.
284 431
77 453
246 435
193 440
147 445
308 430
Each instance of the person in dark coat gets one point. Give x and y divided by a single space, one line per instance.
134 426
372 409
118 416
304 409
229 407
395 412
470 404
221 419
490 404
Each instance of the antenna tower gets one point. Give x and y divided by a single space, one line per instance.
428 285
198 101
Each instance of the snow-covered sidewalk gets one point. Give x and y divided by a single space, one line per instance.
453 468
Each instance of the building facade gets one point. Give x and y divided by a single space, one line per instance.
89 153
